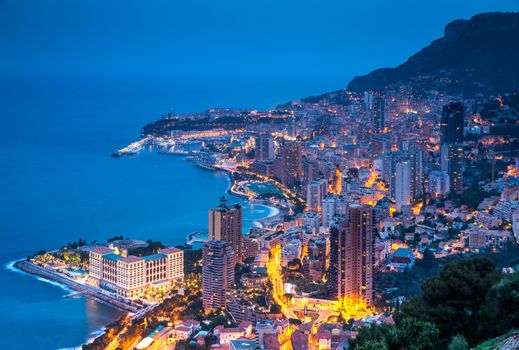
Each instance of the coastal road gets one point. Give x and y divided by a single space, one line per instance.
161 342
115 342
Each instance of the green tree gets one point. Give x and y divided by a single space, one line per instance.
452 301
458 342
418 335
501 309
409 334
428 258
373 345
373 334
275 309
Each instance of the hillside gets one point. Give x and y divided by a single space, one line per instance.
476 55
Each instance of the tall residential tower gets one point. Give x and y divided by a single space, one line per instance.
218 263
350 274
225 224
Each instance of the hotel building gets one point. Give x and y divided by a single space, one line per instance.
131 276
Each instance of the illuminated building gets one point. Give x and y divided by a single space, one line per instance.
350 275
329 209
225 224
451 127
291 250
310 172
315 193
336 186
482 238
250 246
291 163
218 263
377 112
264 149
132 276
263 168
438 183
414 161
402 185
451 138
452 164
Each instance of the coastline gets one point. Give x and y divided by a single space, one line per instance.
70 285
75 289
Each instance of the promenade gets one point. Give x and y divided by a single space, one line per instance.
81 288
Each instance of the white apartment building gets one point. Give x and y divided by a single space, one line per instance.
131 276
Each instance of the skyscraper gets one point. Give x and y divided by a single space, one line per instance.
291 163
451 137
378 113
225 224
351 256
264 149
451 127
390 161
452 164
310 171
402 185
315 193
218 262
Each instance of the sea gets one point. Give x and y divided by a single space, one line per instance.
59 184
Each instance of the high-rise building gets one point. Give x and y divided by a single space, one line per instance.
351 256
438 183
291 163
218 263
452 164
378 113
225 224
336 184
402 185
310 171
415 163
451 137
452 121
368 100
315 193
264 149
329 210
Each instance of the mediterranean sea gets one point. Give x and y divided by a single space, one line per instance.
59 184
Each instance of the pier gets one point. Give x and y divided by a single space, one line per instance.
133 148
192 238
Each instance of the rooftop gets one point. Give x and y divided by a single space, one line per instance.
169 250
131 259
101 250
403 253
112 257
154 257
243 344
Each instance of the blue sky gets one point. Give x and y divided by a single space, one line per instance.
322 39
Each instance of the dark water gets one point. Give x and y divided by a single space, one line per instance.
60 184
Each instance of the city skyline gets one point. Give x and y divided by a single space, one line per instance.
365 211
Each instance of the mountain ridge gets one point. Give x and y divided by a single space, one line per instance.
480 54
